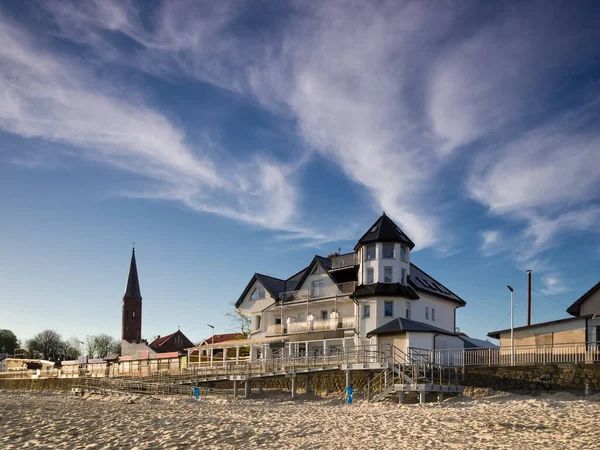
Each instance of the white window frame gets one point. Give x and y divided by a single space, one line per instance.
391 302
408 311
427 312
260 293
316 288
257 323
402 253
383 246
324 315
371 271
374 247
366 311
403 276
391 269
433 314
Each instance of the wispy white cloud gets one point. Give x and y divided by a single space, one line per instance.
553 284
393 93
48 95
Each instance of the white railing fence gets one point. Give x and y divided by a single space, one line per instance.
523 355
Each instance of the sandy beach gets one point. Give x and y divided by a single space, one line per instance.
501 421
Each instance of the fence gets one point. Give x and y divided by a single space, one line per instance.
523 355
219 369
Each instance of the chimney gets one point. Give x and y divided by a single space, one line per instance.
528 297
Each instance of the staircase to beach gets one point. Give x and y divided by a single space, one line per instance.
414 372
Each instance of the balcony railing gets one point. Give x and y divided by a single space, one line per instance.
345 260
339 323
336 290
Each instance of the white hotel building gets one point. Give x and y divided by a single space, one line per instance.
374 295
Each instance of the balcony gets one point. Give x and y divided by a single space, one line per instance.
311 326
343 261
323 292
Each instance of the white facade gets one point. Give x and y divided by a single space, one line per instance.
323 309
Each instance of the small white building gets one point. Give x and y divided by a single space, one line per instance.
373 295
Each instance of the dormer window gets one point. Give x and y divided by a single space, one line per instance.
370 252
388 251
258 293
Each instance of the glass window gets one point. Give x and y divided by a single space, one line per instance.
370 252
278 321
133 315
370 276
388 309
257 293
317 288
433 314
403 276
427 312
402 254
366 311
258 320
324 315
387 274
388 251
408 310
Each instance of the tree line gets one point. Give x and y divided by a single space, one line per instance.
50 345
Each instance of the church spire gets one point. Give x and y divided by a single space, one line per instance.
132 291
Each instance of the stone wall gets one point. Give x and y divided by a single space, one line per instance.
45 385
536 379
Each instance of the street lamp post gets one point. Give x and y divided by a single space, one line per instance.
212 349
512 327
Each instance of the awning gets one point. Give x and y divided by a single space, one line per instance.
240 343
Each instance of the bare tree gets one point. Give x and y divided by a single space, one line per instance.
90 346
242 322
47 344
105 344
72 348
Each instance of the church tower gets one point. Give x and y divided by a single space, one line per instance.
131 324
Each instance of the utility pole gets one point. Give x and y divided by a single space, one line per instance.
528 297
512 327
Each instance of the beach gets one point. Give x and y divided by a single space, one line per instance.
498 421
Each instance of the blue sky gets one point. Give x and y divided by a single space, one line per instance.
228 138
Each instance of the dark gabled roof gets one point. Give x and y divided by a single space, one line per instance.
132 290
384 230
400 325
325 263
292 282
575 308
160 341
385 289
496 334
274 286
423 282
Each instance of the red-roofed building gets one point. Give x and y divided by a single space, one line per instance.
176 342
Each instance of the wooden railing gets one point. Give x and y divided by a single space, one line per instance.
523 355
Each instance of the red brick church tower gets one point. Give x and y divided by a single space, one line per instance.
131 324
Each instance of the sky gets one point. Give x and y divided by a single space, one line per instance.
233 137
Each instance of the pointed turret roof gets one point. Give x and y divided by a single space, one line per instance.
133 283
385 230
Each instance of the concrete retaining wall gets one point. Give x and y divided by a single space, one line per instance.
536 379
